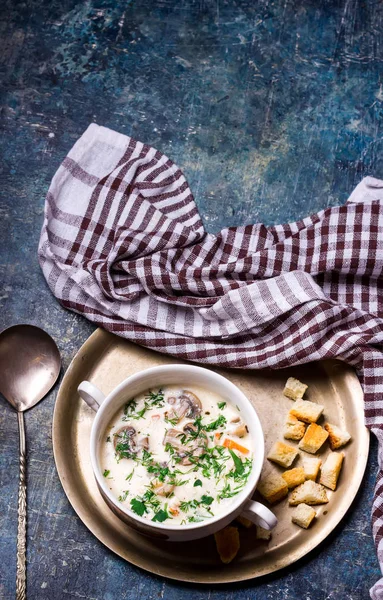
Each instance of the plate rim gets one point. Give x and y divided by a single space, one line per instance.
88 520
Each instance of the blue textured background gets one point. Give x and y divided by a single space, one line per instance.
273 109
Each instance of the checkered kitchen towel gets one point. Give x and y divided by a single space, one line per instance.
123 244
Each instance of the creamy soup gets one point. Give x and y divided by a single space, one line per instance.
175 454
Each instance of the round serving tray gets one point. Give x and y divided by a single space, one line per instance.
106 360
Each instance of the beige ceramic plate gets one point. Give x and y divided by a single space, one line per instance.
106 360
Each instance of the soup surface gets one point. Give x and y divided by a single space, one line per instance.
177 454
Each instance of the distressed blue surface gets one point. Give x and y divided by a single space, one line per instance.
273 109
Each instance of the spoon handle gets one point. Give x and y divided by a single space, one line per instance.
22 515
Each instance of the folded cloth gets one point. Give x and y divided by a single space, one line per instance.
123 244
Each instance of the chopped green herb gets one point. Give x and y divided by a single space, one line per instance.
160 516
146 459
129 477
188 504
124 496
156 398
173 421
130 407
106 473
195 519
179 482
239 468
226 492
221 405
197 483
151 499
220 422
138 506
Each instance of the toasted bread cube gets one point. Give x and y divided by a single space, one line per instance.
245 522
294 389
293 429
306 411
308 492
311 466
303 515
262 534
331 469
282 454
272 487
294 477
227 542
336 437
313 439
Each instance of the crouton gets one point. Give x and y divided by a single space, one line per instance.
336 436
306 411
331 469
282 454
245 522
294 389
262 534
227 542
308 492
272 487
293 429
311 466
313 439
294 477
303 515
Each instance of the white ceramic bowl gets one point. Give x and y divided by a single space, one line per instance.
107 407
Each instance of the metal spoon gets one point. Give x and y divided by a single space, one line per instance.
29 366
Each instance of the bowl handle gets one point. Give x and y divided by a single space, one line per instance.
260 515
91 395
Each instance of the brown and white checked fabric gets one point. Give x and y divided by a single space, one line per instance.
123 244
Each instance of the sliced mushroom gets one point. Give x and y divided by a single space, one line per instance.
143 443
195 406
173 437
125 436
178 412
192 448
238 428
164 489
189 428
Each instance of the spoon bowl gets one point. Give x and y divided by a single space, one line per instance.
29 365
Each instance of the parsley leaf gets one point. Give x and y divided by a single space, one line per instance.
138 507
197 483
221 405
160 516
106 473
206 500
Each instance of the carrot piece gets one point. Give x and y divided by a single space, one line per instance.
217 436
232 445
